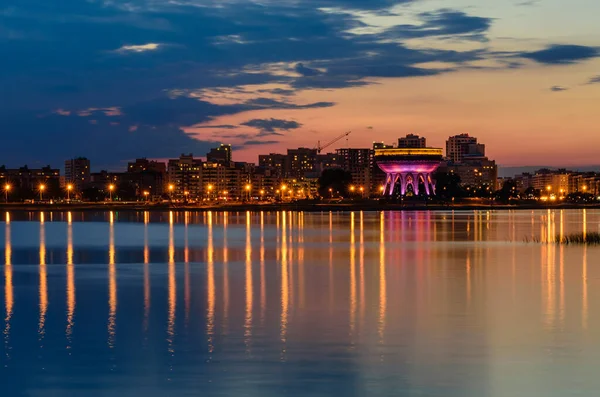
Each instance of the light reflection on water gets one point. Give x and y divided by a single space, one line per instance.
284 303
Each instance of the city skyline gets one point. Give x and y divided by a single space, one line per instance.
115 81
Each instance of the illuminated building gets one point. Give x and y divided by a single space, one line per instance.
359 163
408 168
460 146
185 174
221 154
77 173
413 141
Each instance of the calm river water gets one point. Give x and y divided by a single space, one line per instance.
299 304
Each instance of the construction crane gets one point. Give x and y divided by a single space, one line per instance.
331 142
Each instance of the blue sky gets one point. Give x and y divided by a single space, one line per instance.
116 80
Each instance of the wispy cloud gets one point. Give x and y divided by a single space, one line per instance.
558 88
138 48
594 80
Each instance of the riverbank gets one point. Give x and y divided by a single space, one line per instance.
292 206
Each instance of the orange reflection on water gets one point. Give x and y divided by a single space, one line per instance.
146 274
70 282
352 275
112 284
584 294
263 282
43 289
285 289
186 274
225 274
210 279
172 287
361 258
249 287
8 283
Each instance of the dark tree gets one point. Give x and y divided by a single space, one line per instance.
508 191
337 180
447 186
92 194
531 193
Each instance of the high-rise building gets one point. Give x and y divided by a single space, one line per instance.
381 145
147 176
476 173
221 154
185 174
359 163
274 162
77 173
412 141
460 146
300 161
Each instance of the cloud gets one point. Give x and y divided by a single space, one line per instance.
138 48
558 88
304 71
272 126
559 54
594 80
223 126
443 23
257 142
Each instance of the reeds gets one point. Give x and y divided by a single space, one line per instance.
580 239
592 238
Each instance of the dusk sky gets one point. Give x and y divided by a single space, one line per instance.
114 80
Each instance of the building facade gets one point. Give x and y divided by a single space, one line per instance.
412 141
185 175
460 146
77 173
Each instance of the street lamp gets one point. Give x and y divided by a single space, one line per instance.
262 193
283 187
171 188
330 193
146 194
185 195
362 192
42 188
210 188
225 194
7 188
248 187
111 187
69 188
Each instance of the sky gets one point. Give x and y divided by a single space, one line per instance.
115 80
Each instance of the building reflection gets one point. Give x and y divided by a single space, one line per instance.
584 294
352 299
225 274
263 281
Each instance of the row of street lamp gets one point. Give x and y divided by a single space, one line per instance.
111 187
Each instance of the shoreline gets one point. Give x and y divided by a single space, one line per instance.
296 207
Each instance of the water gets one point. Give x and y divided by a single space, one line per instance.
299 304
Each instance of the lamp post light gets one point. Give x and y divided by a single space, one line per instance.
111 188
171 189
225 194
186 195
262 193
352 189
42 188
7 188
210 188
283 188
362 192
146 194
69 188
330 193
248 188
